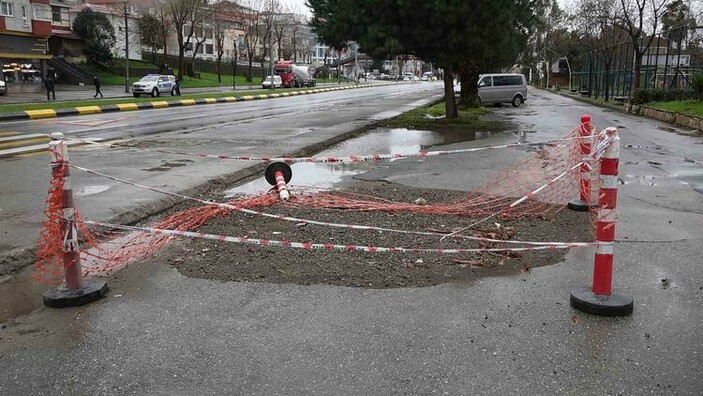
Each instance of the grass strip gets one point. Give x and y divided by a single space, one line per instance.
432 118
12 108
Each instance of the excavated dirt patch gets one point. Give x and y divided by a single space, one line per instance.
235 262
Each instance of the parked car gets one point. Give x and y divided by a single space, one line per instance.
502 88
277 82
154 85
3 87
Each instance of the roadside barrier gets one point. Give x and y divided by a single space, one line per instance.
346 159
60 236
599 299
535 187
584 201
331 246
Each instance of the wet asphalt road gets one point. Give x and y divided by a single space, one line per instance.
274 127
161 333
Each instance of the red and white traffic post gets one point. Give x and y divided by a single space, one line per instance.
279 174
585 201
599 299
77 291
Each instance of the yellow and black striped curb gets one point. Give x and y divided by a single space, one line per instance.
160 104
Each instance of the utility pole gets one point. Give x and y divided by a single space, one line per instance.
234 63
356 61
271 52
126 49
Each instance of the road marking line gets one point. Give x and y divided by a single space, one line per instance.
22 137
9 133
24 142
25 150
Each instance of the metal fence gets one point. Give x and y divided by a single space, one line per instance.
674 57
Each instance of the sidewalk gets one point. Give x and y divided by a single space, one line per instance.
75 92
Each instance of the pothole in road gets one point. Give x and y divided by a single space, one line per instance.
235 262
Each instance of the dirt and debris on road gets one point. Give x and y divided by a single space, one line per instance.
235 262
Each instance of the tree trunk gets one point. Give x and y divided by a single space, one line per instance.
218 68
638 69
449 103
249 68
468 76
606 82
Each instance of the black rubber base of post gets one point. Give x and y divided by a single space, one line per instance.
579 205
615 304
270 172
91 290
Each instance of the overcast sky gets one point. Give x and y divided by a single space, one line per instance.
296 5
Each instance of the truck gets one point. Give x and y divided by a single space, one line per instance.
293 75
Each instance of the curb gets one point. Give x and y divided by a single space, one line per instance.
162 104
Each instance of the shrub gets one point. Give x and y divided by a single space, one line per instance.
641 97
697 85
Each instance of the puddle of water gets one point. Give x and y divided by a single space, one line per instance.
90 190
376 141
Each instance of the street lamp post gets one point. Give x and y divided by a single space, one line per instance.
126 48
568 65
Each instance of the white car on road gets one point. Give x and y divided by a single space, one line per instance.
277 82
154 85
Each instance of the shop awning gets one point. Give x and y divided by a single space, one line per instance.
23 47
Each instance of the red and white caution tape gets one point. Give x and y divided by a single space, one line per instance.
348 159
307 221
330 246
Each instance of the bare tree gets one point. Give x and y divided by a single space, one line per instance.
156 23
272 10
601 33
283 23
252 27
640 19
186 15
225 13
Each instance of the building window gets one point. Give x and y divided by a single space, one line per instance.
6 9
25 21
208 48
56 14
41 12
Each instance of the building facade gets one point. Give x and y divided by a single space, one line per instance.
24 31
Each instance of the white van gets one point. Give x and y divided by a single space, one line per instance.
502 88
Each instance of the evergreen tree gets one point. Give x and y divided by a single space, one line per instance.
449 33
99 35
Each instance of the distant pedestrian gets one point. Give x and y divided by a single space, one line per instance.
96 82
49 85
176 88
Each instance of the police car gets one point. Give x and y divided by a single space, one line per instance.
154 85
